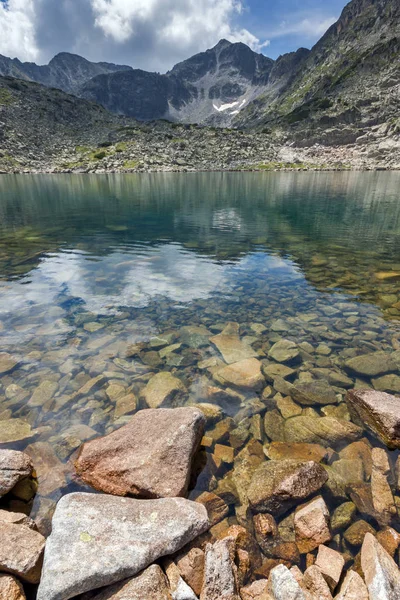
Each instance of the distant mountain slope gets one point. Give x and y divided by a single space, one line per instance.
67 72
348 83
211 87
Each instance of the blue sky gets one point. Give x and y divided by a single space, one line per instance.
155 34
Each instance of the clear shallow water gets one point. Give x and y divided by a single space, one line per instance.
91 265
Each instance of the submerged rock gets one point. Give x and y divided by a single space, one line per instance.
371 365
284 351
110 539
14 466
379 411
14 430
150 457
313 393
163 390
276 486
327 431
244 374
7 363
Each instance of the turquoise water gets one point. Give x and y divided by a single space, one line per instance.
91 265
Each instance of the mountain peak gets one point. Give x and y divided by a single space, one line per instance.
222 44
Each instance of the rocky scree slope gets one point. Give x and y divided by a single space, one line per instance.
47 130
346 90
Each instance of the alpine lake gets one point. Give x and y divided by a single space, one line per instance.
108 280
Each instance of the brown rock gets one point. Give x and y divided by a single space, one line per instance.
163 390
244 541
327 431
381 573
232 348
191 568
224 453
382 497
297 451
7 363
359 450
315 584
244 374
352 588
389 539
14 430
267 536
255 591
50 471
276 486
151 584
217 509
11 589
125 406
150 457
311 523
15 518
21 551
356 533
14 466
379 411
331 564
177 586
220 574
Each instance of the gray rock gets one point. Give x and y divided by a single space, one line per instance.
313 393
371 365
151 584
110 539
14 466
379 411
220 572
381 573
283 586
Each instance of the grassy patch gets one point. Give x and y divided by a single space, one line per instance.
82 149
131 164
6 97
121 147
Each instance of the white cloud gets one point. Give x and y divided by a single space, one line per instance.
311 27
186 24
17 29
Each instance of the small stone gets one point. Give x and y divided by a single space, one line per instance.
191 568
277 486
91 386
220 571
224 453
283 586
380 412
14 430
326 431
352 588
313 393
356 533
381 573
343 516
311 523
51 472
359 450
288 408
371 365
11 589
115 391
43 393
217 509
125 405
245 374
14 466
21 551
274 370
232 348
178 588
7 363
284 351
296 451
382 496
331 564
17 519
389 539
315 584
163 390
255 591
387 383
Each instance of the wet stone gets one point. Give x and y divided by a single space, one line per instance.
163 390
284 351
